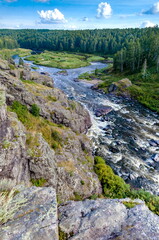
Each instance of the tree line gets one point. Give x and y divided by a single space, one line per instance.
130 47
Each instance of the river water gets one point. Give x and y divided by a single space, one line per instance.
127 137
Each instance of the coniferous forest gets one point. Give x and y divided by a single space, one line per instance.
131 48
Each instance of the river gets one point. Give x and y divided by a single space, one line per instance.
127 137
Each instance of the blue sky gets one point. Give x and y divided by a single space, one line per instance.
78 14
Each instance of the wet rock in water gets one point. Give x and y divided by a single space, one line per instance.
104 219
156 157
76 80
94 87
154 143
44 73
63 73
35 216
102 111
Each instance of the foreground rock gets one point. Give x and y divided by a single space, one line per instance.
35 217
105 219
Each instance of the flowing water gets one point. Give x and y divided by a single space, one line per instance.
127 137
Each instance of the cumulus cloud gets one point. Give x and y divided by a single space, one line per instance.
147 24
153 10
104 10
85 19
51 16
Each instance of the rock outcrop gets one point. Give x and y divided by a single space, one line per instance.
105 219
34 218
13 164
25 154
53 103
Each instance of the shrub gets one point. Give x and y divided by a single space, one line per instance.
38 182
35 110
113 185
20 110
56 136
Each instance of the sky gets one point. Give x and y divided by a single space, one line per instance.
78 14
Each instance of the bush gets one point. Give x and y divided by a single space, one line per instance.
38 182
115 187
35 110
20 110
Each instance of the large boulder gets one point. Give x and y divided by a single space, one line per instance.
121 85
105 219
42 79
33 216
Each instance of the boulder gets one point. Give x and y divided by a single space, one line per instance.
35 217
102 111
104 219
42 79
120 85
4 65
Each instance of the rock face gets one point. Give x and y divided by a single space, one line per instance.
42 79
105 219
35 217
4 65
53 103
69 169
13 163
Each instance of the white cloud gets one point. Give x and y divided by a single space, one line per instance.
153 10
51 16
10 1
147 24
43 1
104 10
85 19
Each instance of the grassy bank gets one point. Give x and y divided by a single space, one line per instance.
63 60
144 89
8 53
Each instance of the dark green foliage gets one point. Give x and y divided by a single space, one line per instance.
56 136
82 182
38 182
35 110
20 110
115 187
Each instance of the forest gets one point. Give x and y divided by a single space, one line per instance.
131 48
